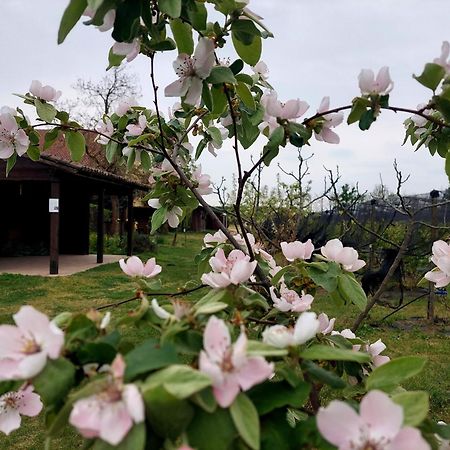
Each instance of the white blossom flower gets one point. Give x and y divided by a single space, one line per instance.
381 85
192 70
127 49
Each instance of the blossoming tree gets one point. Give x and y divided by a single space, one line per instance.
248 365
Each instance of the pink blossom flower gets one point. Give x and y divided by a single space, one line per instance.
172 216
326 325
261 70
108 19
268 258
24 348
211 240
305 329
297 250
137 129
441 257
191 72
375 351
290 110
347 256
203 181
234 269
331 121
134 267
381 85
377 426
127 49
106 128
111 413
47 93
12 139
229 367
14 404
125 105
289 300
444 60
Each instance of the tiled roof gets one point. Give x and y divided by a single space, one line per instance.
94 162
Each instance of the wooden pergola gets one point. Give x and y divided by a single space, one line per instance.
48 202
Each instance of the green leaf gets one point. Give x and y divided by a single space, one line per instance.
366 119
71 15
245 95
205 399
219 99
146 161
351 290
55 381
211 308
272 395
394 372
258 348
359 107
211 431
170 7
96 352
114 60
221 74
127 22
272 147
10 163
45 111
79 330
248 53
167 415
33 152
237 66
206 96
415 404
323 375
328 279
135 439
148 356
197 14
328 353
182 33
178 380
158 218
111 150
431 76
447 165
50 137
76 144
246 420
245 31
163 46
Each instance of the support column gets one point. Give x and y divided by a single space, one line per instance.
130 228
53 207
100 225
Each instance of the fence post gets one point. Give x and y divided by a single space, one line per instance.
434 194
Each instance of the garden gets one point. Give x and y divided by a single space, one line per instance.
287 326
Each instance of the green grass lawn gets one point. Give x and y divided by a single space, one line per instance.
404 333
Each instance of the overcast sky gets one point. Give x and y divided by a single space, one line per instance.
319 49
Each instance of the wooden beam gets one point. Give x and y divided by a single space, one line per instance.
130 228
54 227
100 225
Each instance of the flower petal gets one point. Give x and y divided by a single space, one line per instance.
383 416
339 424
